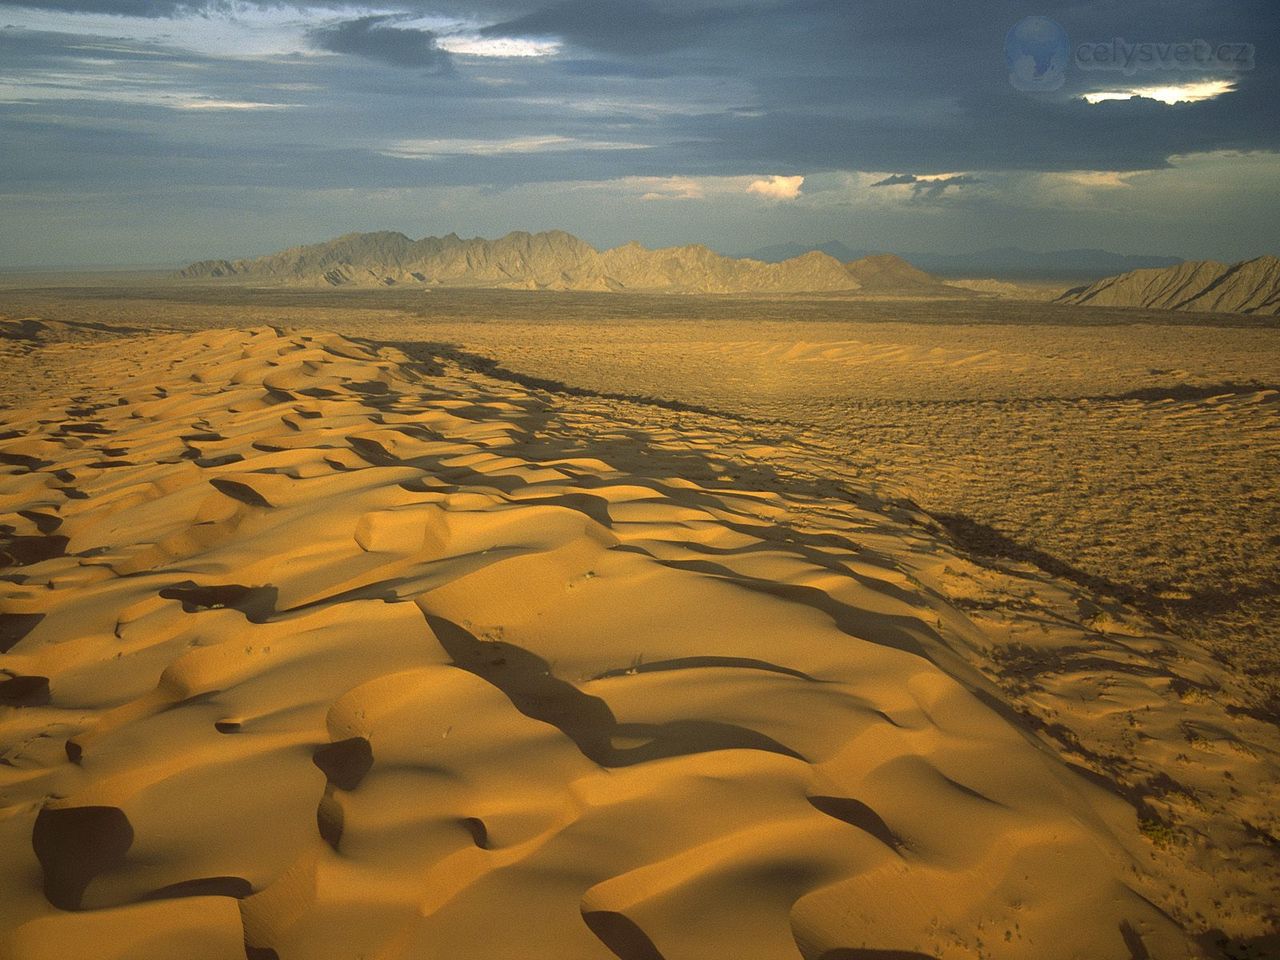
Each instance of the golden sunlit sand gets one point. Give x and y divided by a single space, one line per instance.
318 646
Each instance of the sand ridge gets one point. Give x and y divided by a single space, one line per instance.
317 651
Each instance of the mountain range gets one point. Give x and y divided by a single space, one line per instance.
1250 286
556 260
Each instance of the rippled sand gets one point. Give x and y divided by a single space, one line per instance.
328 647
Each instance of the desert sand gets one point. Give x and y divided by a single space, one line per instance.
318 646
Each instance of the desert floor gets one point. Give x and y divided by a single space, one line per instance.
587 626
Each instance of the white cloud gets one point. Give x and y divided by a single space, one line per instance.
48 86
674 187
1177 93
212 103
670 188
472 45
776 187
427 149
1090 179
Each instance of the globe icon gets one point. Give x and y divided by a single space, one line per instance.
1037 51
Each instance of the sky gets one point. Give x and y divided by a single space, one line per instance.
163 131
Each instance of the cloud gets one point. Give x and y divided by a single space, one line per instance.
547 143
724 86
932 189
1088 179
672 188
927 188
625 27
471 45
776 187
124 8
897 179
377 38
198 102
1193 92
41 88
143 96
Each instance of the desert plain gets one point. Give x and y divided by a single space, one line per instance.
458 623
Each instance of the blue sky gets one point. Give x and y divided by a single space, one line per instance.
159 131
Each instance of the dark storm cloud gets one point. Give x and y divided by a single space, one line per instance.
379 38
630 27
897 179
30 48
881 84
876 85
926 188
709 87
90 145
993 130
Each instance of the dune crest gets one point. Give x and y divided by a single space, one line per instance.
317 650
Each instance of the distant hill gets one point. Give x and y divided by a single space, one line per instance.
1251 286
556 260
1007 263
888 273
777 252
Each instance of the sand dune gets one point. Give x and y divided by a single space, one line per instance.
316 650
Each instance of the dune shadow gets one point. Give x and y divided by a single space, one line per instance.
239 491
477 830
14 627
1133 941
18 551
345 762
28 463
528 683
858 814
235 887
45 522
256 603
1222 946
76 844
222 460
621 935
694 663
25 691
